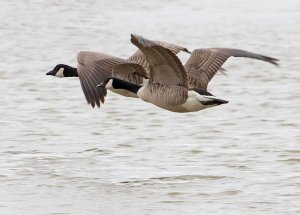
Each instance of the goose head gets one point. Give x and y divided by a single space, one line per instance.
62 70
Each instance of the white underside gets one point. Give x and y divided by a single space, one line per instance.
192 103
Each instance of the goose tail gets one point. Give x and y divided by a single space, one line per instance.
211 100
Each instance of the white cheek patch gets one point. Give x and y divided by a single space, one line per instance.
109 84
60 73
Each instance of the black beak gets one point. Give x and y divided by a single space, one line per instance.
50 73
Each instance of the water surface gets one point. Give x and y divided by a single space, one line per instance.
59 156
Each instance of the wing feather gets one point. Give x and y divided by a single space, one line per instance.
165 67
130 72
139 58
93 68
166 70
205 63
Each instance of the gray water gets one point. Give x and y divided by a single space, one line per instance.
60 156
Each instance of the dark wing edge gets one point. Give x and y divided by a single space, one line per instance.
246 54
173 47
205 63
89 80
139 58
93 73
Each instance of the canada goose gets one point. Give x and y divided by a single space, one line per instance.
175 87
94 67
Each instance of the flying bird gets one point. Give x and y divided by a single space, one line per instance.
175 87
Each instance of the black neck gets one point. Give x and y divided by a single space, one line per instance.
202 91
120 84
70 71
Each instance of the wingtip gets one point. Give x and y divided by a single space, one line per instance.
187 51
273 61
276 62
141 41
95 105
134 39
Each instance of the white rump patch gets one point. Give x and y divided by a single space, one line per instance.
60 73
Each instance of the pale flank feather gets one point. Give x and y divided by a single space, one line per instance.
161 95
205 63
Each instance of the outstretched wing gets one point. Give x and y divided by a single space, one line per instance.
130 72
165 70
205 63
139 58
93 68
165 67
